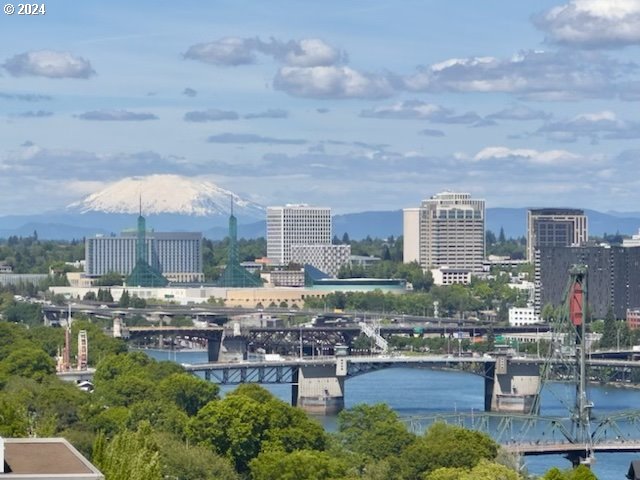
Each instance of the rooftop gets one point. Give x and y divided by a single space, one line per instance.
39 458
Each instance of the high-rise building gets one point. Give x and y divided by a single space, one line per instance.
613 277
447 230
296 225
555 227
177 255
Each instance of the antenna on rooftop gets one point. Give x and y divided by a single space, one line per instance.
231 197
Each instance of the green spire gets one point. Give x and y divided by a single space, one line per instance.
143 274
235 275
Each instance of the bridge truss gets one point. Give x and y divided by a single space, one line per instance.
622 427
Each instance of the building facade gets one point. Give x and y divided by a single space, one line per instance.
613 277
326 258
177 255
296 225
555 227
447 230
633 318
523 316
451 276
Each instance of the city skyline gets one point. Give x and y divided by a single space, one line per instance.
522 104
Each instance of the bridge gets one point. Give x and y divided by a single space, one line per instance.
211 334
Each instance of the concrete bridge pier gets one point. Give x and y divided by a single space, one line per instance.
236 347
320 389
489 380
515 386
214 341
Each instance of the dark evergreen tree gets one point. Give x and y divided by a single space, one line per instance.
610 331
501 236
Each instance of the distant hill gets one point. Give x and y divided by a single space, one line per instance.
68 226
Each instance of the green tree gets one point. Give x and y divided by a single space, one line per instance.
373 430
30 362
125 299
501 237
233 427
298 465
191 462
137 302
484 470
14 421
189 393
446 446
109 279
609 331
128 456
548 313
90 296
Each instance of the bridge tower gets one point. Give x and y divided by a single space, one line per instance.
83 350
570 352
577 300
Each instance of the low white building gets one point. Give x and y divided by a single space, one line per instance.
326 258
519 316
451 276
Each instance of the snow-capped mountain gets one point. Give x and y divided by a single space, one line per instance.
166 194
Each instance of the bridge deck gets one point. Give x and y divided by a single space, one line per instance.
530 449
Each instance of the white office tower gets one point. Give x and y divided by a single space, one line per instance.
178 255
447 230
296 225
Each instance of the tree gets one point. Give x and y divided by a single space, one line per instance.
548 313
490 238
191 462
90 296
125 299
109 279
189 393
501 236
14 421
446 446
484 470
373 430
298 465
128 456
610 331
233 427
27 361
137 302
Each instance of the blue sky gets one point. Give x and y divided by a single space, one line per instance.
359 105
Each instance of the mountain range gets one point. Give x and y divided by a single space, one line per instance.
174 203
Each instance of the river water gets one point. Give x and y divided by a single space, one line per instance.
421 392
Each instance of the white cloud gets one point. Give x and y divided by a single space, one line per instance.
116 116
519 112
233 51
48 63
331 82
593 23
311 52
531 74
418 110
597 125
230 51
526 154
210 115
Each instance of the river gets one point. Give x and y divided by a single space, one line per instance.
421 392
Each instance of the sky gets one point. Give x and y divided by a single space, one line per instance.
357 105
